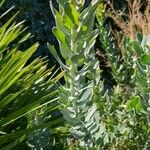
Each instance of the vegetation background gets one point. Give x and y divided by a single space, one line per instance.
121 96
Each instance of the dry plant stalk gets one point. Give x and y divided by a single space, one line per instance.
133 22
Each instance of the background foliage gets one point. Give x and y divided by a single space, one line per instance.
120 119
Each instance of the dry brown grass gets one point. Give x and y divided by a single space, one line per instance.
134 20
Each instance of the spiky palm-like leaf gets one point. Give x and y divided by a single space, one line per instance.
25 88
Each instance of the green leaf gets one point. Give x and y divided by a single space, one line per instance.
91 112
53 51
145 59
139 37
71 18
85 98
1 3
59 20
138 49
13 75
4 102
78 59
70 117
134 104
26 110
87 16
4 27
64 48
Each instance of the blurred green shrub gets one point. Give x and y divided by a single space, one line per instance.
125 110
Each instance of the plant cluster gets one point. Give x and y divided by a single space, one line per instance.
27 90
97 118
73 23
124 110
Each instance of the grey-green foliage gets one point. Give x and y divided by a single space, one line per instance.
40 138
141 49
118 60
125 111
74 31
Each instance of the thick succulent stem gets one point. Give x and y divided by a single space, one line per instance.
74 31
